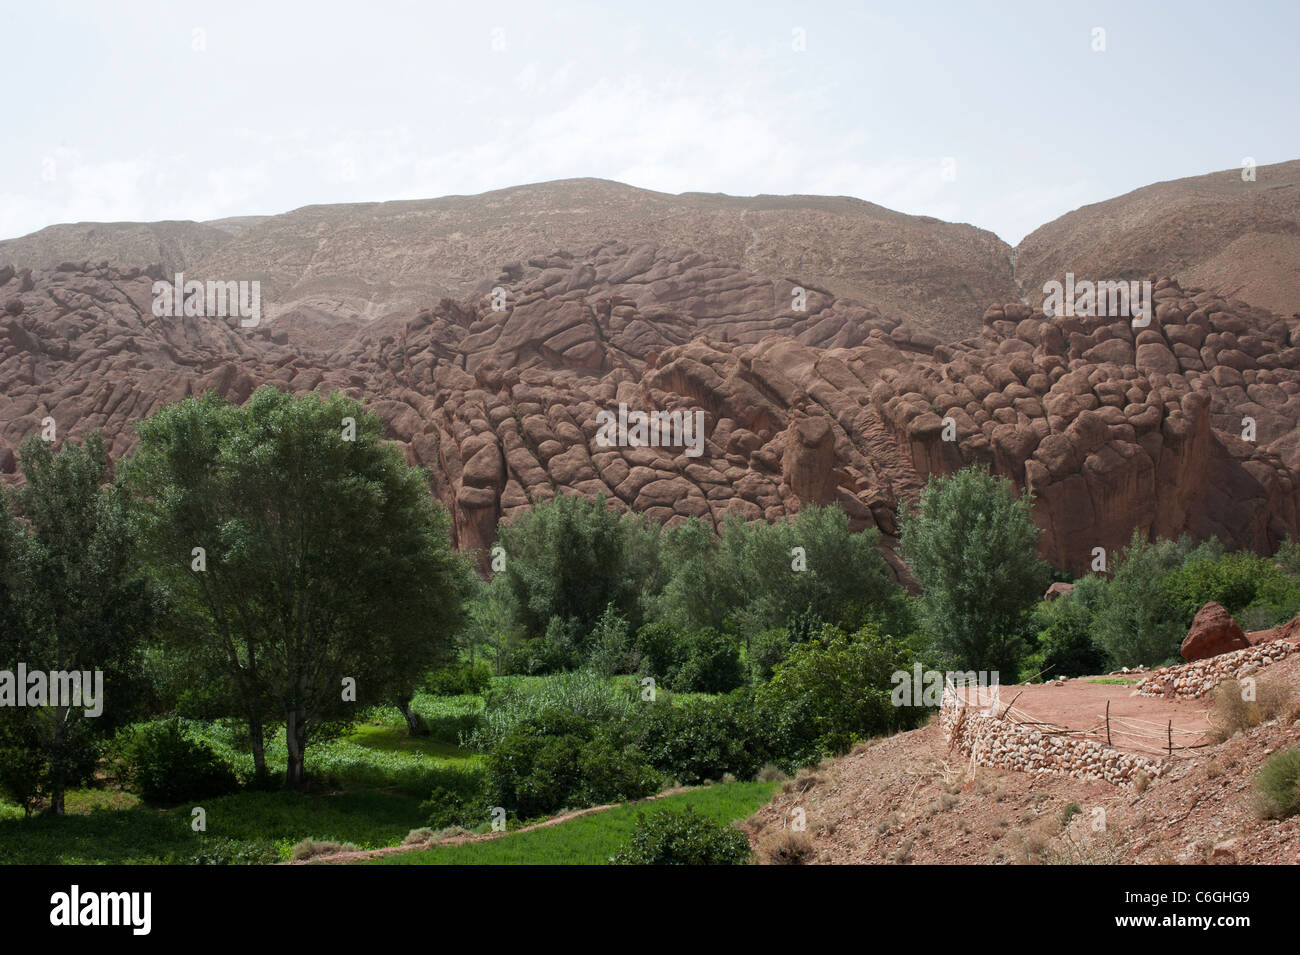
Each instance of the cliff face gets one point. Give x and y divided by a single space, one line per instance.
500 394
1116 429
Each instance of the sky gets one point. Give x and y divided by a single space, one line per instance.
1003 115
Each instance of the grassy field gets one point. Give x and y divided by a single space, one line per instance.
368 790
590 839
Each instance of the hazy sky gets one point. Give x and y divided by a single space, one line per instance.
1004 117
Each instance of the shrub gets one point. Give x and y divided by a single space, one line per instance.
1065 632
1139 621
559 760
1239 582
310 848
609 648
1231 712
711 664
834 691
166 765
662 650
705 661
702 739
466 805
765 651
1277 785
229 852
666 837
510 704
468 679
786 847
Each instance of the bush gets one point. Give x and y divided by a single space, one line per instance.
666 837
1277 785
310 848
559 760
786 847
1065 632
711 664
1231 712
765 651
702 739
229 852
1237 582
705 661
511 704
463 804
555 652
469 679
609 648
834 691
163 764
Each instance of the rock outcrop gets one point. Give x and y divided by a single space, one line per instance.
500 394
1213 632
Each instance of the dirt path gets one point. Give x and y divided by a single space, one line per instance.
360 855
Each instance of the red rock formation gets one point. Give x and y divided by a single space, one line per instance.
1213 632
838 403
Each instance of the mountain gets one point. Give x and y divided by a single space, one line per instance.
373 259
492 350
1238 238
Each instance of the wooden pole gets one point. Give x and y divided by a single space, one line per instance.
1108 722
1171 737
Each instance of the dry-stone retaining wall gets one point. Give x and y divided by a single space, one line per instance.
1191 680
995 741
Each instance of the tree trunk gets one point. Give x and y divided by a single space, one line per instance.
295 739
414 725
56 800
257 741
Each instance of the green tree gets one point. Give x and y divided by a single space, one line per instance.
970 543
1140 622
75 598
301 545
1065 629
569 558
756 576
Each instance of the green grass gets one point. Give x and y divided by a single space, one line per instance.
591 839
270 821
367 791
1116 681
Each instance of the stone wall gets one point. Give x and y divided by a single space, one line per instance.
1195 679
996 741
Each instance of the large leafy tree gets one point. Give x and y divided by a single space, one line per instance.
74 597
303 548
756 576
970 542
569 559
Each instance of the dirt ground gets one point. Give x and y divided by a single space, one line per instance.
1138 724
907 799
